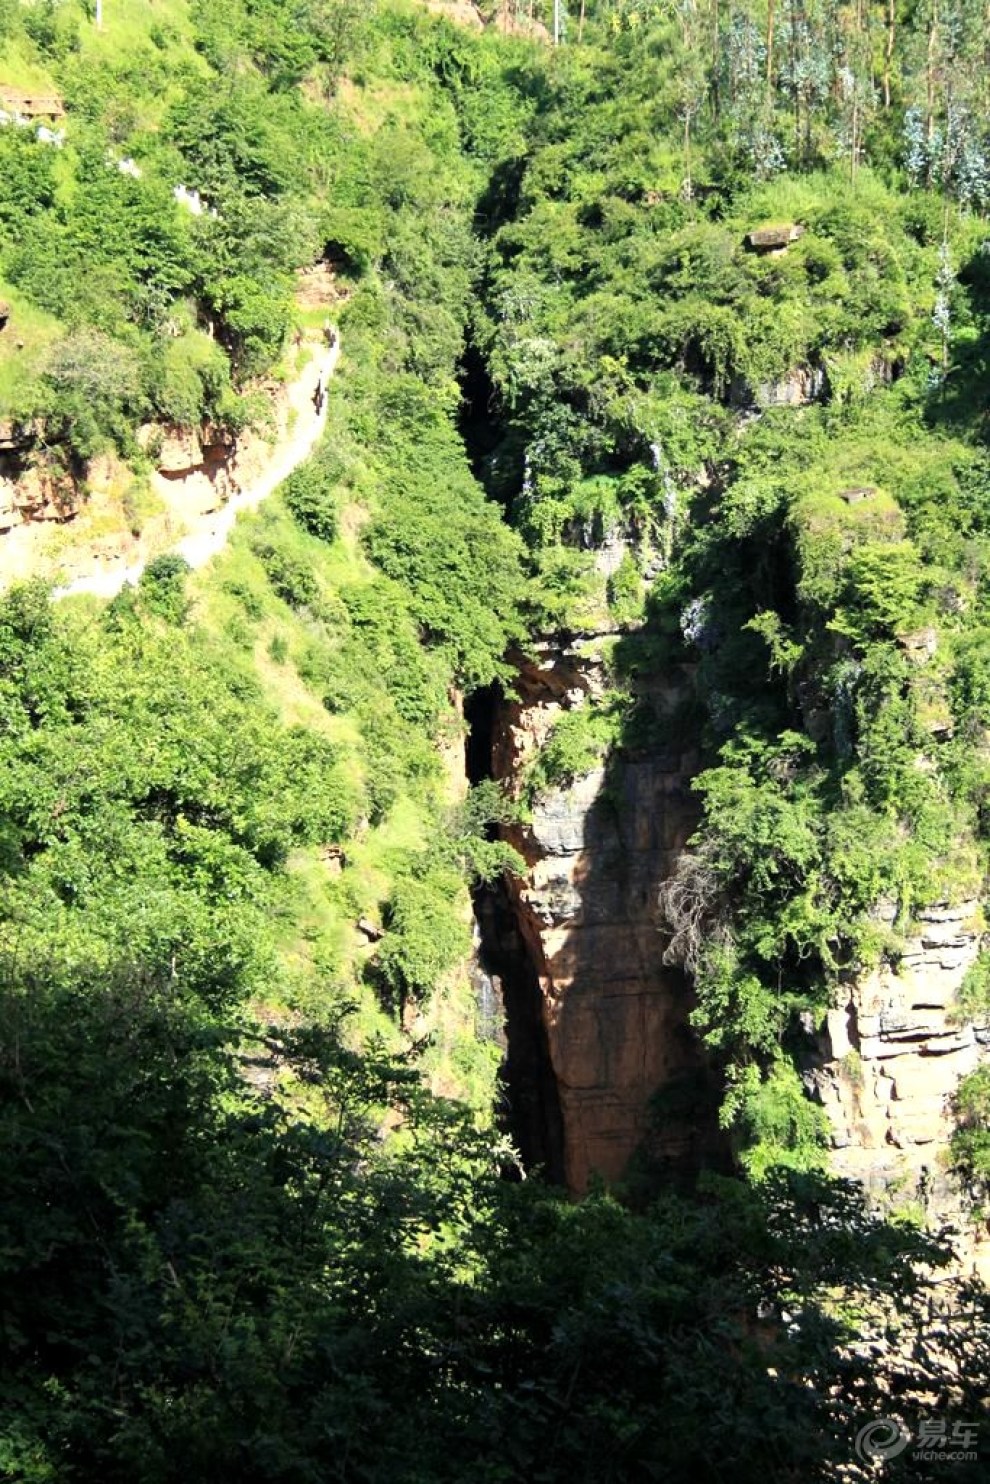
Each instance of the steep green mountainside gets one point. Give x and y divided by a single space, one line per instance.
296 637
758 353
179 302
255 1220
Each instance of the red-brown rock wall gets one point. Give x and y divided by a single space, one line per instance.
597 851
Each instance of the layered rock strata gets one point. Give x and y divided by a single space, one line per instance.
628 1071
888 1062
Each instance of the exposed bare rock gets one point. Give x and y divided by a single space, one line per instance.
37 493
181 452
460 12
17 435
611 551
317 287
510 19
774 239
798 388
334 859
887 1064
197 505
920 644
174 450
31 104
616 1018
10 515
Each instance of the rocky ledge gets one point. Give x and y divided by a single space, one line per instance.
887 1064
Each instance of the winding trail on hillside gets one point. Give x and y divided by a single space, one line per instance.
210 531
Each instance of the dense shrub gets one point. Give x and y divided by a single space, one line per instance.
309 496
288 572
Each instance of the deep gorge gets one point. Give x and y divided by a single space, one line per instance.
494 965
532 1108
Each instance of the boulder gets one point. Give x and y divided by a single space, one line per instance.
775 238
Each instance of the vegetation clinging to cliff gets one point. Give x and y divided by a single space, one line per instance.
754 349
243 1240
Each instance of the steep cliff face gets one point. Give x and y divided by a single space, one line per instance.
627 1067
887 1065
604 1062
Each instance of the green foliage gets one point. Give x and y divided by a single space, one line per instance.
785 652
149 798
777 899
778 1124
625 591
578 743
309 495
828 532
974 995
971 1137
883 586
438 537
425 933
94 391
205 1249
288 571
475 844
163 585
316 1270
189 381
53 28
29 179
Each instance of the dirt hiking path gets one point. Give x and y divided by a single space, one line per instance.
94 553
255 471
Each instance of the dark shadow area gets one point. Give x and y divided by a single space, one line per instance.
499 202
587 918
204 1279
531 1110
480 425
639 1092
623 1002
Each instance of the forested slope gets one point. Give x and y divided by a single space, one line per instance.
256 1223
757 350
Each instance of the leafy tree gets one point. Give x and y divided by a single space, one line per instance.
95 388
164 584
308 495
